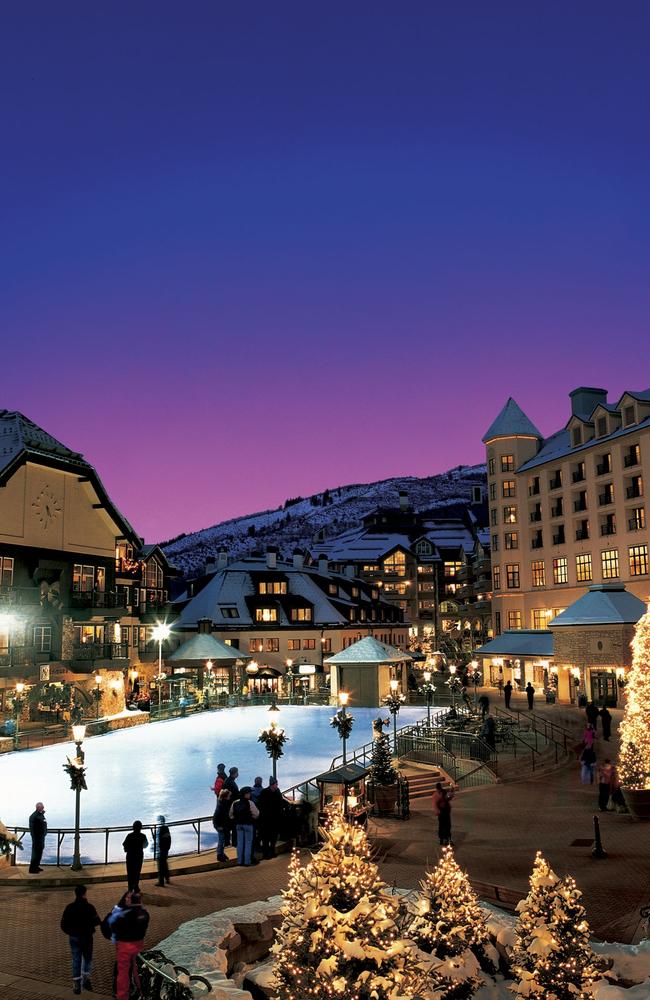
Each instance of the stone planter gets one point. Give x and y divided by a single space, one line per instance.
385 797
637 801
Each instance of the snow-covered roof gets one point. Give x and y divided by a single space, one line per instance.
204 647
369 650
559 444
510 422
363 543
520 642
603 604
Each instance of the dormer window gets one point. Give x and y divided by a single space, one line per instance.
576 436
423 548
628 416
601 426
229 611
266 615
272 587
301 615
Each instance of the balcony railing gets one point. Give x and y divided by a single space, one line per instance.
605 498
555 483
559 539
537 543
101 651
634 525
97 599
582 534
632 492
557 510
630 460
579 505
578 477
128 568
603 469
533 491
21 656
21 597
608 529
536 515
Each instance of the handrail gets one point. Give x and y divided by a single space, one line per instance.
539 723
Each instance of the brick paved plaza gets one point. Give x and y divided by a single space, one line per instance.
496 830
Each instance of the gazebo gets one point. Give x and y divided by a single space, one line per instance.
366 668
202 654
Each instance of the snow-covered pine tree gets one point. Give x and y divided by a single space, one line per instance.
381 762
448 923
634 759
552 957
340 935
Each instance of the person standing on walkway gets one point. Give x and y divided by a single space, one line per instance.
606 719
588 765
221 822
507 692
134 844
589 735
592 713
79 921
606 778
38 832
243 814
271 806
220 779
530 694
163 847
442 809
128 926
484 704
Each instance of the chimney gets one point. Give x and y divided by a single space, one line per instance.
222 559
271 557
323 565
350 571
404 504
585 399
204 626
298 559
210 565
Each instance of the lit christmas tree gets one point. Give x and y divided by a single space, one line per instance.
552 957
634 759
449 924
340 936
381 761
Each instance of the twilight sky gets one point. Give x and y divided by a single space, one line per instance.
252 250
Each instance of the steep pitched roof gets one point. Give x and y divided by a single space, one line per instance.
369 650
510 422
204 647
603 604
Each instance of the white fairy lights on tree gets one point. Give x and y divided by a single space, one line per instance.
634 759
340 935
552 957
448 923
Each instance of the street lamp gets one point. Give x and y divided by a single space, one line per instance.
76 771
344 698
428 688
289 663
274 737
393 703
475 678
453 684
18 707
160 633
306 670
97 693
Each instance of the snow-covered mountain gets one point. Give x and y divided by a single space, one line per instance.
297 523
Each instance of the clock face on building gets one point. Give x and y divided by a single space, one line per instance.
46 506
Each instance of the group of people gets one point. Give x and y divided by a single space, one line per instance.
249 818
125 925
610 795
135 844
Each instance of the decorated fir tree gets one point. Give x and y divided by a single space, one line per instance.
448 923
381 762
634 760
340 935
552 957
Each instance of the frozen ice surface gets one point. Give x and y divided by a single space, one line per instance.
169 768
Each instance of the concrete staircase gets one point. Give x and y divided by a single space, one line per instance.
422 781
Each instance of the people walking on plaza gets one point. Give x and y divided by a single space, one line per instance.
488 731
442 809
484 704
589 735
607 783
243 814
588 765
220 779
507 693
530 694
128 925
606 720
592 713
134 844
79 920
38 832
271 806
221 822
163 846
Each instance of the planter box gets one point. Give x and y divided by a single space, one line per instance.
385 798
637 802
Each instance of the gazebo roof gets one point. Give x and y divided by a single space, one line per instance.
369 650
204 647
347 774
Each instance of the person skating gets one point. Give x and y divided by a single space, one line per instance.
134 844
38 832
163 846
442 809
530 694
221 822
507 693
128 925
606 720
79 920
271 806
243 814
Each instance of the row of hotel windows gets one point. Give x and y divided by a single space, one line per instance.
609 564
636 518
539 618
293 645
631 458
85 578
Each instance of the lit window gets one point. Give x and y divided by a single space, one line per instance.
83 578
490 467
42 638
395 564
271 645
583 568
539 617
496 577
309 644
256 645
293 644
272 587
512 575
507 463
266 615
510 515
638 560
512 540
452 568
6 571
509 488
301 614
514 619
609 563
560 570
538 572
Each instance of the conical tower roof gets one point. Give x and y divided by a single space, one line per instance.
511 422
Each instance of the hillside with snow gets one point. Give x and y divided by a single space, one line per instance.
301 519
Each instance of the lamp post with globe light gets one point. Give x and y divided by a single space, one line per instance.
428 689
475 677
274 737
289 663
454 684
18 703
306 670
393 703
160 633
76 771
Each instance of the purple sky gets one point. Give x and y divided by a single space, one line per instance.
249 251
